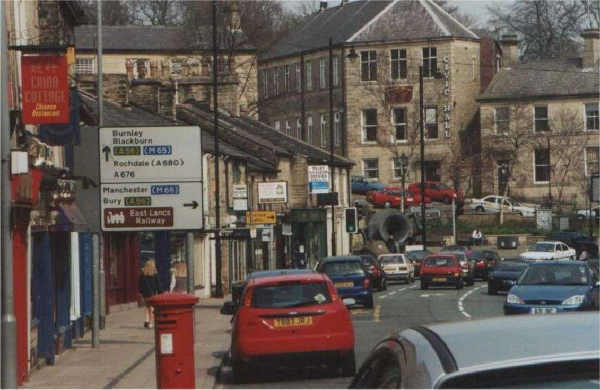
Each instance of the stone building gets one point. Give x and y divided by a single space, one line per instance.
540 128
378 47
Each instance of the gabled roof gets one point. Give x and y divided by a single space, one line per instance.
545 79
148 39
371 21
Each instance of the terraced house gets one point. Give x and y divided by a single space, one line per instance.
377 50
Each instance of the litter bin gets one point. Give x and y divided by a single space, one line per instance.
508 242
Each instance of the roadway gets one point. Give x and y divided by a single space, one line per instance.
398 308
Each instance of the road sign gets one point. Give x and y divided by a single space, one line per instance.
150 154
272 192
261 217
151 206
318 179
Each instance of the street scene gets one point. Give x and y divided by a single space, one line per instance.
299 194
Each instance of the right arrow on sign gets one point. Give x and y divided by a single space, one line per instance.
193 205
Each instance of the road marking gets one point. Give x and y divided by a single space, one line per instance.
461 306
382 296
377 313
414 287
392 293
431 295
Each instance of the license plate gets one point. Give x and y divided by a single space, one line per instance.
390 269
292 321
344 284
439 279
543 310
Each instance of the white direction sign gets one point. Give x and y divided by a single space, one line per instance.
151 178
150 154
151 206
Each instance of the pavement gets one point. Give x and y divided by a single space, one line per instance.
126 356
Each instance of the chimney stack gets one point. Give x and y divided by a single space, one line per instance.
591 47
322 6
509 44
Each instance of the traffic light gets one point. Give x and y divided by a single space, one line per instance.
351 219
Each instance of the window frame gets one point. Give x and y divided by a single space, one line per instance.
92 64
299 128
323 127
535 166
365 169
535 118
371 65
277 125
337 127
336 71
587 170
286 78
504 120
425 124
397 168
597 117
364 127
276 80
308 66
395 125
298 77
309 130
288 127
429 60
265 82
322 77
398 62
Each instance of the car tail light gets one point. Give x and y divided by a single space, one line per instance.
456 274
375 271
248 299
403 268
366 283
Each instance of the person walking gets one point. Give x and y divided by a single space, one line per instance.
179 277
149 287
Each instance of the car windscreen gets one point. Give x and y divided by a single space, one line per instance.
511 266
290 295
339 268
476 256
391 260
555 274
541 247
439 262
417 255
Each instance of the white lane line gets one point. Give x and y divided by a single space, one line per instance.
414 287
392 293
382 296
461 306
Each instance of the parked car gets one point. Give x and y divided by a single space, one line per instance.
585 213
515 352
238 288
392 197
553 286
492 203
362 185
437 191
441 269
286 316
397 267
416 257
505 275
549 250
578 241
457 248
481 266
350 277
492 256
468 266
376 272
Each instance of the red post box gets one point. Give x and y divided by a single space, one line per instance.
174 332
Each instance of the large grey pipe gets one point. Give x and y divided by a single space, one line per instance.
388 224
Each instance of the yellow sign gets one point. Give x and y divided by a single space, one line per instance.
261 217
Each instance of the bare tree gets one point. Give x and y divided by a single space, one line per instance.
547 28
158 12
466 19
117 12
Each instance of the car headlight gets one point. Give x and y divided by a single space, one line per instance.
511 298
574 300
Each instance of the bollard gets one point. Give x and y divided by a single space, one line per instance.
174 339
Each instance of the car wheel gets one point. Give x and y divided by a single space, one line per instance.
240 371
387 205
491 290
348 365
369 302
460 284
383 284
479 209
424 286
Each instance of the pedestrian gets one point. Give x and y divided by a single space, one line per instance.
179 277
149 287
584 255
477 237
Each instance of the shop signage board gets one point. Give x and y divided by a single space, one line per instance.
240 197
272 192
151 178
318 179
261 218
45 90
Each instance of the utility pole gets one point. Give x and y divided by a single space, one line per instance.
331 146
423 229
219 285
9 322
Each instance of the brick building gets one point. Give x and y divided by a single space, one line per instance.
378 47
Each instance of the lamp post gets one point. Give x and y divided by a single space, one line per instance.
421 124
403 167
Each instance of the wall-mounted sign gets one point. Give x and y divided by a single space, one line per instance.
447 115
272 192
261 218
45 89
318 179
240 197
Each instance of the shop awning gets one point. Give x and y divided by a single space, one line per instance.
70 219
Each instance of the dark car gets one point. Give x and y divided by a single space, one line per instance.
416 257
492 256
481 266
549 287
442 269
362 185
457 248
238 288
350 277
511 352
376 272
505 274
578 241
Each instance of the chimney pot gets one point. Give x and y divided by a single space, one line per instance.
591 47
509 44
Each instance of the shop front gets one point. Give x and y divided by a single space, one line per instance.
309 237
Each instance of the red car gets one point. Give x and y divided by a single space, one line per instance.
392 197
290 320
441 269
437 191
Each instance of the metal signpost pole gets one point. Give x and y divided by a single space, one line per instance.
191 289
219 285
331 146
97 274
453 221
9 324
423 229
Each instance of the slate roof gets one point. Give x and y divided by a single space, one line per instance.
554 78
371 21
146 39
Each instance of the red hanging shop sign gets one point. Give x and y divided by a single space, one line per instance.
45 89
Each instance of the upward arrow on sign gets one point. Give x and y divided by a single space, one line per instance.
106 151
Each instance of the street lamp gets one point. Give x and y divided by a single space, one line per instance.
352 56
403 167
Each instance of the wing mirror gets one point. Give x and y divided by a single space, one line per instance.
229 308
349 301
